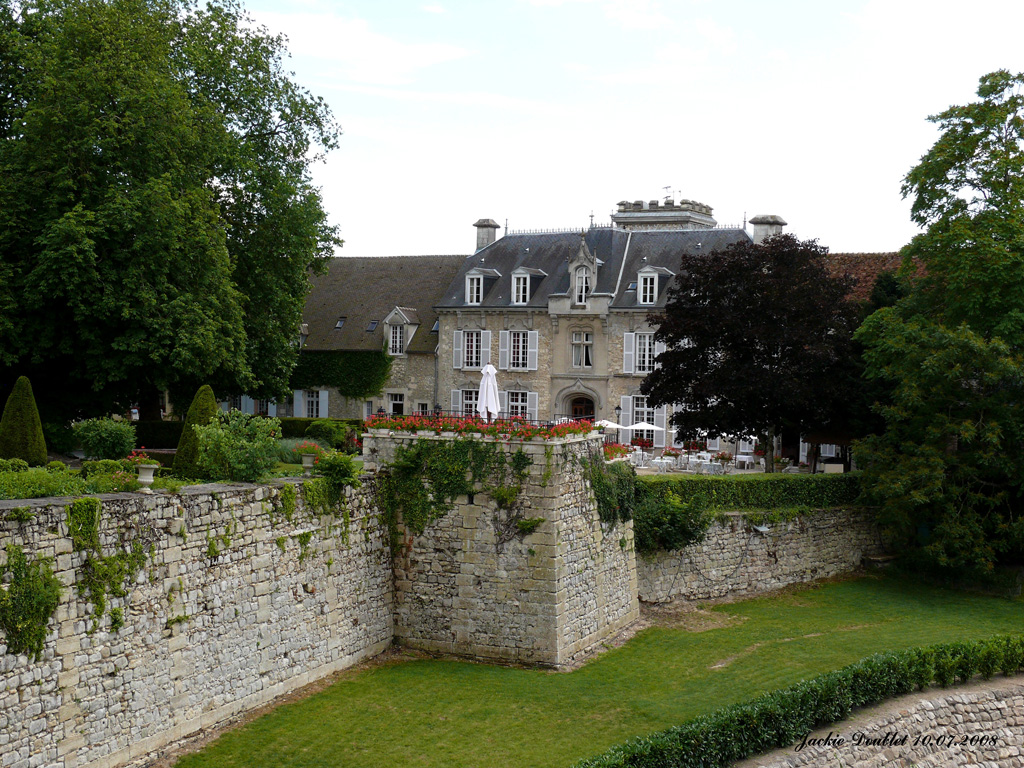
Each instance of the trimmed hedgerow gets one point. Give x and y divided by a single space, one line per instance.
200 412
760 491
21 431
781 718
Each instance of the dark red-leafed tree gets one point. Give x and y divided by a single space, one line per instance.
758 340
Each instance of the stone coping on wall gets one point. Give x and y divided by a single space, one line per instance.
990 710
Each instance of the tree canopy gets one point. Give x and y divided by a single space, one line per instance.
755 336
947 469
157 218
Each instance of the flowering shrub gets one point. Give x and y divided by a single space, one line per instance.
308 446
615 451
639 442
695 445
723 456
671 452
139 456
237 446
512 428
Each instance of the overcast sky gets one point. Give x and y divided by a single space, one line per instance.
541 112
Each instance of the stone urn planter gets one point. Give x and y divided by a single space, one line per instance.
146 472
307 463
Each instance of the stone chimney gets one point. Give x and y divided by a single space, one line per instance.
486 232
765 226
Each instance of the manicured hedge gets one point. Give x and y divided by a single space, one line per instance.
758 491
782 718
21 431
203 408
296 427
158 434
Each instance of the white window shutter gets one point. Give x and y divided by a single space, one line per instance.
324 412
485 348
659 421
457 400
503 401
503 337
225 405
532 343
626 403
247 405
531 405
628 345
659 347
457 353
299 407
272 410
803 452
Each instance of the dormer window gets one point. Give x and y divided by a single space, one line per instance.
474 289
582 285
648 289
397 346
520 289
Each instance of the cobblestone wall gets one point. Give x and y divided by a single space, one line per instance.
234 606
471 584
937 731
737 560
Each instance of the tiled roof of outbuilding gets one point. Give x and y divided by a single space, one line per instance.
864 268
367 289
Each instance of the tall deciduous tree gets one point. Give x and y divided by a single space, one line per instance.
157 220
754 337
947 470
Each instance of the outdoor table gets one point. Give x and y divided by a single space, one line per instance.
746 459
662 465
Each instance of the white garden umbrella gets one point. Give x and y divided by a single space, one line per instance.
645 426
608 424
487 404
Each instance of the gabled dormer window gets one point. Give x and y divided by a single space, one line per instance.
397 345
648 289
520 289
582 285
474 289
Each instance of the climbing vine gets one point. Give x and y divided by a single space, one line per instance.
28 602
426 477
353 374
614 486
101 576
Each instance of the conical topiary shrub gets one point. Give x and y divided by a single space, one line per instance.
21 431
203 408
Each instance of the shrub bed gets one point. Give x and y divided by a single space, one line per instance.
781 718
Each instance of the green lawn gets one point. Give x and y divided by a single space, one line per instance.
448 714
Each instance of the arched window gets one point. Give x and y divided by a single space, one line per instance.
582 285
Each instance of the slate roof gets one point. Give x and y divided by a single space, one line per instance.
552 251
367 289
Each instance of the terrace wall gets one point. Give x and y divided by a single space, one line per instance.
736 560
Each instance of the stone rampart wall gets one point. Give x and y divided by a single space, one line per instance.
234 606
472 584
736 560
936 731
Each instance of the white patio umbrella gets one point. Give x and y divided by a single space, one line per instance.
608 424
487 404
644 426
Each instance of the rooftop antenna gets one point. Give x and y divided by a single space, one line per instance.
744 219
668 191
591 218
506 225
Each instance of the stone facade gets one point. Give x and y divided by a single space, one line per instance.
472 585
979 727
736 560
205 637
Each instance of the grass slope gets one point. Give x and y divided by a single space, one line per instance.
448 713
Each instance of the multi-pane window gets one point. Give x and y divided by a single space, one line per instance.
644 352
396 403
520 289
368 408
474 289
397 339
582 285
312 403
648 284
471 349
423 408
262 407
642 412
582 349
470 397
517 404
519 349
235 403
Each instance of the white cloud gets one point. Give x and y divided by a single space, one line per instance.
363 56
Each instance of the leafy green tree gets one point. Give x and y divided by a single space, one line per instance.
755 335
200 412
21 431
947 469
157 219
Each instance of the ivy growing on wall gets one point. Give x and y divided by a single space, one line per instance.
101 576
423 482
353 374
28 602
